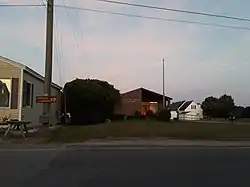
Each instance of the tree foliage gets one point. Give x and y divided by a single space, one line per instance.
218 107
210 106
90 101
226 106
246 112
241 112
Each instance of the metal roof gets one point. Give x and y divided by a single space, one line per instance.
181 105
148 93
176 105
185 105
27 69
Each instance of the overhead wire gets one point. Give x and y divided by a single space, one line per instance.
176 10
19 5
155 18
68 18
57 52
43 3
62 55
146 17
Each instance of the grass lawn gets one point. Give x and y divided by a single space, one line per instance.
151 129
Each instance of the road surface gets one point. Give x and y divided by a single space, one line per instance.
126 167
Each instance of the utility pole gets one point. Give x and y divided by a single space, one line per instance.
163 84
48 60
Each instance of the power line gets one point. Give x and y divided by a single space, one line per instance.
155 18
58 56
177 10
24 5
144 17
60 52
68 17
43 3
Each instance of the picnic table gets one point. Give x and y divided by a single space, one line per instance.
16 125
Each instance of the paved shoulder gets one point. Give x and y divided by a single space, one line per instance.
19 163
158 143
192 167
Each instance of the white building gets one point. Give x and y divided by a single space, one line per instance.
186 110
19 86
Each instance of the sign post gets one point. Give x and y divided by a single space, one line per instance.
46 99
45 118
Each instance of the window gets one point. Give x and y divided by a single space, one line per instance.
27 94
5 92
193 107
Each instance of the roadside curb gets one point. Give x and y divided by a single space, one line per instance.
11 146
157 143
153 146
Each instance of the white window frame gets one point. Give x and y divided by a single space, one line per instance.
8 107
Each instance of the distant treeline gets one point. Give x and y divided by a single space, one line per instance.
224 107
242 112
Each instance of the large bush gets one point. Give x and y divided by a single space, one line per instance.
90 101
164 115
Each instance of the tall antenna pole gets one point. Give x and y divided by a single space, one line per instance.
48 59
163 84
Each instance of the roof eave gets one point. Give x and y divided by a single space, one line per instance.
12 62
26 68
40 77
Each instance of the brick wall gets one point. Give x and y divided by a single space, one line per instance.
130 103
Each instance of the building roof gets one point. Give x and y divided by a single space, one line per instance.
180 105
27 69
185 105
147 94
176 105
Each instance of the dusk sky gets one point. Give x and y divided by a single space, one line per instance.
127 52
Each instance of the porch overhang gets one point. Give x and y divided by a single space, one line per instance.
150 96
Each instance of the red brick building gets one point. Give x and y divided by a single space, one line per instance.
141 100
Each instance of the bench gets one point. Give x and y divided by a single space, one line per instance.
16 125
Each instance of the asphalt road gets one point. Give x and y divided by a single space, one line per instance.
126 167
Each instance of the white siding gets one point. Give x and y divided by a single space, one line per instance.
173 115
193 114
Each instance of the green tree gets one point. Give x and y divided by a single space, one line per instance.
90 101
246 112
220 108
210 106
226 106
238 111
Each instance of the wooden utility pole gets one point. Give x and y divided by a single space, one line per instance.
163 84
48 60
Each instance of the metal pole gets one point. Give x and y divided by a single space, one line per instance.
163 83
65 108
48 59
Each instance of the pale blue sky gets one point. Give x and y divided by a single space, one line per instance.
200 60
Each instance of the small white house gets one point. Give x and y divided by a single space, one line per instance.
19 86
186 110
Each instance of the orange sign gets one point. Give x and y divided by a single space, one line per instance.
46 99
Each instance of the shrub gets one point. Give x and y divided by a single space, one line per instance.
118 117
151 114
137 114
134 117
164 115
90 101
